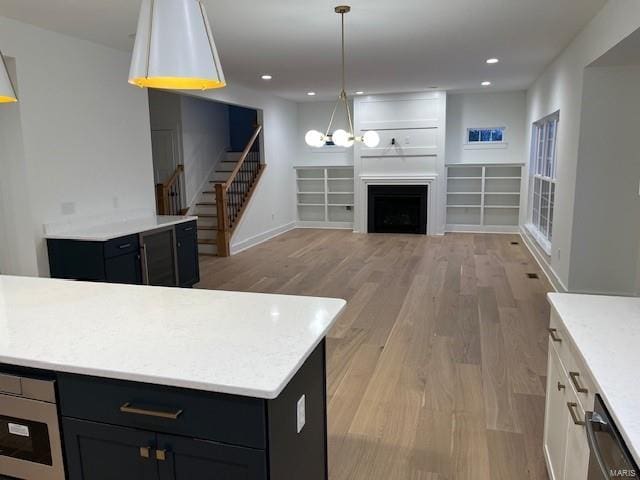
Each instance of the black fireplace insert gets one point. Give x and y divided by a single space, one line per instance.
397 209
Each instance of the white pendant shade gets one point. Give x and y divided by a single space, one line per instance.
174 47
7 92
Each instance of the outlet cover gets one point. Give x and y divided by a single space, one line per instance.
301 413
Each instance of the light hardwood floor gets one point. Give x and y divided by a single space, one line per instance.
437 368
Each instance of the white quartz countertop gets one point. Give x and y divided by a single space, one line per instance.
108 231
606 332
229 342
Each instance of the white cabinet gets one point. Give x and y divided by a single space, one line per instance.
483 198
325 197
569 396
555 420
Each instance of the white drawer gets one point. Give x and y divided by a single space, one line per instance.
579 377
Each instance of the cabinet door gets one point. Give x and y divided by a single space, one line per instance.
576 462
124 269
556 421
158 257
188 266
96 451
188 459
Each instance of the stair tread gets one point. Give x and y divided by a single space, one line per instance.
206 215
207 241
207 254
206 203
207 228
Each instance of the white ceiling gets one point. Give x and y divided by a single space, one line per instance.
393 46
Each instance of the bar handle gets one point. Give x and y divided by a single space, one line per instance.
576 383
554 335
572 406
124 245
561 386
128 408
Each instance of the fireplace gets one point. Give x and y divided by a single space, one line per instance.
397 209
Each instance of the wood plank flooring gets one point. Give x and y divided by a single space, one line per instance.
437 368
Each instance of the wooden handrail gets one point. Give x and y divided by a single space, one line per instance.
164 190
174 178
243 157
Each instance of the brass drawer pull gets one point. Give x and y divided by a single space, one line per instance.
554 335
128 408
161 455
572 411
576 383
144 452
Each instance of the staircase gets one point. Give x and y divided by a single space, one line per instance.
222 204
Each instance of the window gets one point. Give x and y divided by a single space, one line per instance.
485 135
543 180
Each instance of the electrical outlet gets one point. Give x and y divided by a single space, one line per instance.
301 413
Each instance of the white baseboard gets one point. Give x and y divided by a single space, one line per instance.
542 261
261 238
482 229
325 225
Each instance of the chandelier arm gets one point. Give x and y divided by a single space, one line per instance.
349 118
333 114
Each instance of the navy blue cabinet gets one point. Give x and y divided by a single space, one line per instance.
116 429
120 260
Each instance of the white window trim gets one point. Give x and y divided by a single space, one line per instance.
542 239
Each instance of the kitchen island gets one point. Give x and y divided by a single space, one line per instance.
165 383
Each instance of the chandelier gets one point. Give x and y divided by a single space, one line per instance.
340 137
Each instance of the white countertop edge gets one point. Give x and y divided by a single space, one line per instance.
131 227
265 394
619 424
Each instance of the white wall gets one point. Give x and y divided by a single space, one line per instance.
85 131
606 225
485 110
560 88
205 140
272 207
417 121
315 116
17 246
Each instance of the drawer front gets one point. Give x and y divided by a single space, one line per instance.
120 246
186 229
224 418
578 375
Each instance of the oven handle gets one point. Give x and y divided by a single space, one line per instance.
595 421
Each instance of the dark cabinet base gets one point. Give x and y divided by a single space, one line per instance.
121 260
215 436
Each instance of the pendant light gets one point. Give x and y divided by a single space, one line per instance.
7 92
340 137
174 47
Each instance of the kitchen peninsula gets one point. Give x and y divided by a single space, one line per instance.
165 383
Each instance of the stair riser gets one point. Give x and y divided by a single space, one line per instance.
208 249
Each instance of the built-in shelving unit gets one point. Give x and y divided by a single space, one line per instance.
325 197
483 197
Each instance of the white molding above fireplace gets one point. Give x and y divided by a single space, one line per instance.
362 203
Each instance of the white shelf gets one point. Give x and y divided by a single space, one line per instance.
498 208
322 213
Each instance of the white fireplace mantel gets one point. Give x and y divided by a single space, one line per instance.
430 180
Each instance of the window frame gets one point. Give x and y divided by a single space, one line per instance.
542 179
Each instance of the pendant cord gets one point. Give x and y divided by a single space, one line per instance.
343 63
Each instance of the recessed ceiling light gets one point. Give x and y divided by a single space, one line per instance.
266 77
492 60
486 84
359 93
311 94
